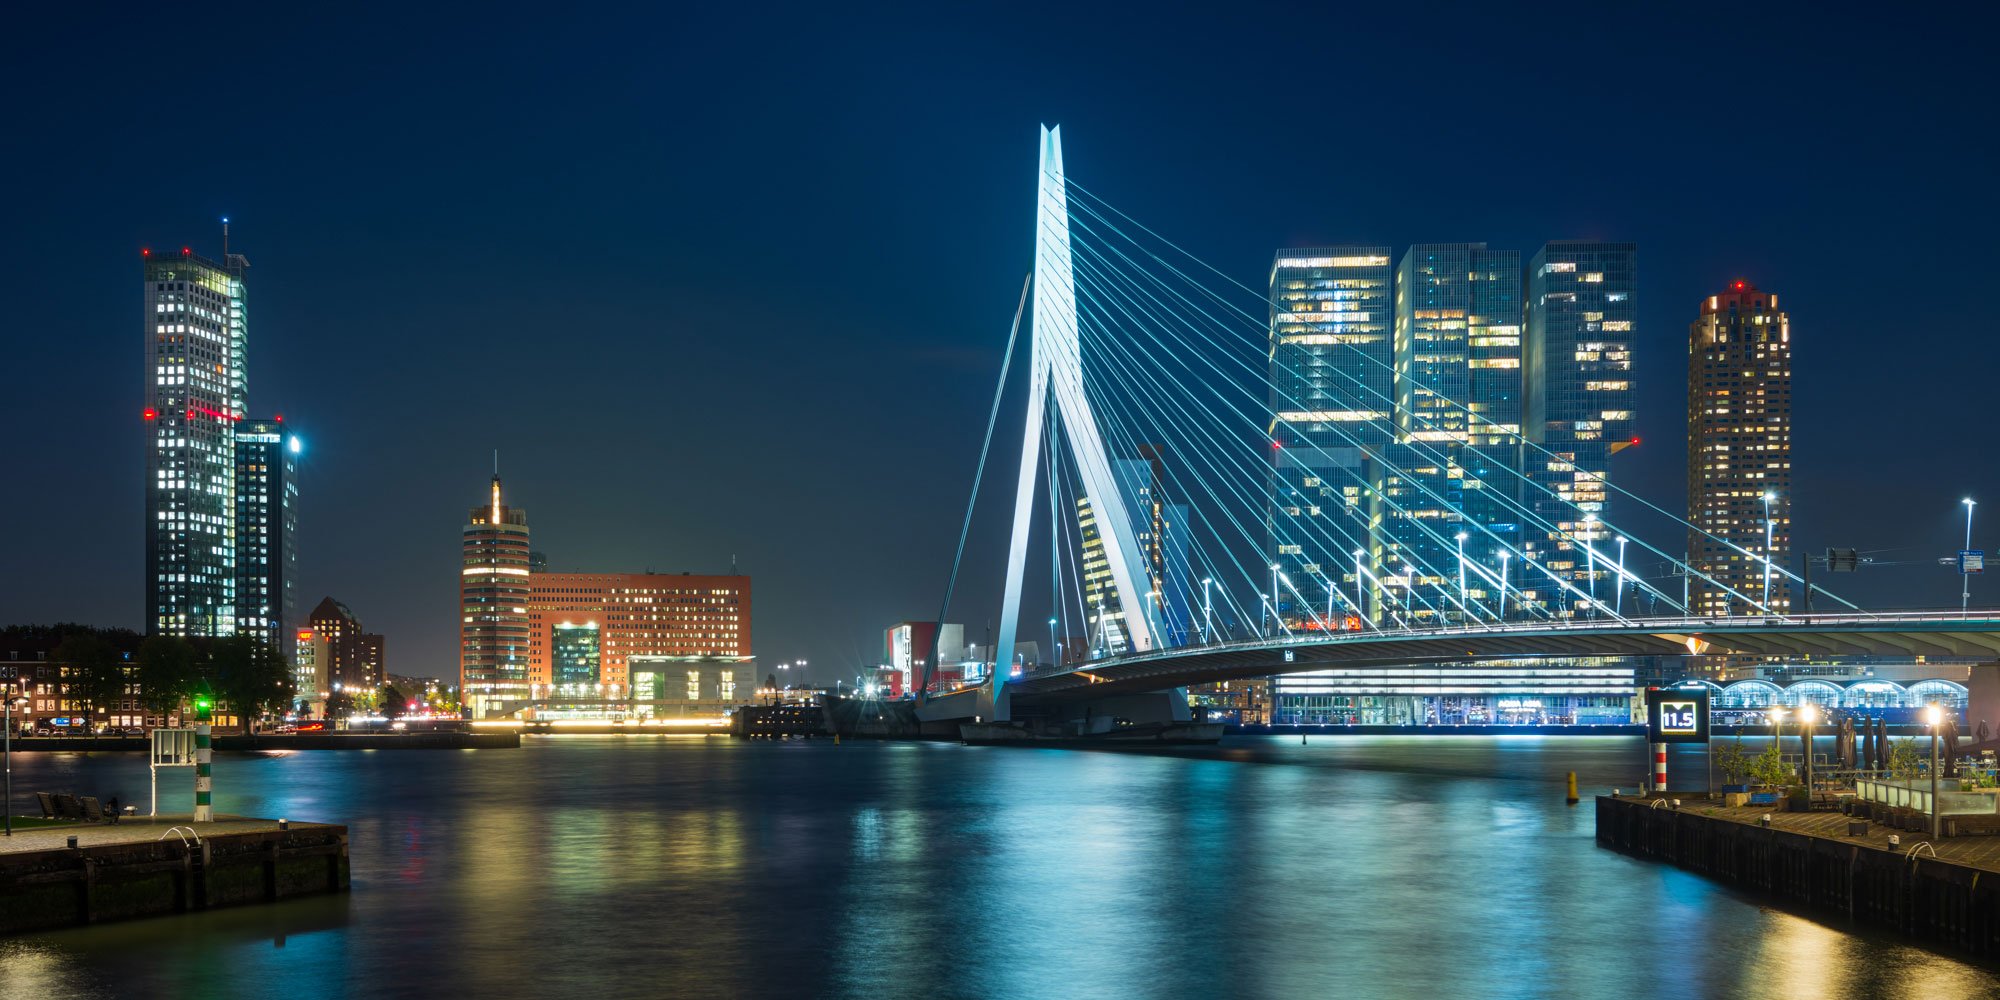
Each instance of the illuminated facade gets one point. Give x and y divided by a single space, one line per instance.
1597 691
494 632
195 322
1454 465
635 614
1161 530
1582 315
577 654
312 680
267 525
1332 396
353 660
1739 452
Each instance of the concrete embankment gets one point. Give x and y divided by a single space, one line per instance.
499 740
140 869
1951 899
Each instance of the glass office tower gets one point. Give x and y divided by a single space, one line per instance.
1739 453
267 524
195 321
1577 360
493 596
1332 399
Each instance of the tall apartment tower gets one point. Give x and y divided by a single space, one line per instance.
1458 417
1332 397
267 527
1740 452
1577 364
195 322
493 602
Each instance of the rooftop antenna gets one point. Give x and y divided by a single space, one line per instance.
225 239
732 564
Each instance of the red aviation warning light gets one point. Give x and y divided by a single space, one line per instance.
152 414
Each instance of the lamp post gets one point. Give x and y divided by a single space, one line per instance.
1807 715
1461 575
7 752
1274 590
1618 601
1207 610
1359 554
1263 623
1934 716
1590 560
1768 531
1503 587
1965 587
1327 581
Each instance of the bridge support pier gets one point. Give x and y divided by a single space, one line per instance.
1982 698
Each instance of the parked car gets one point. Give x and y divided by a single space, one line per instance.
135 731
44 731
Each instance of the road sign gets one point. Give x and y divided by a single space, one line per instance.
1971 561
1676 716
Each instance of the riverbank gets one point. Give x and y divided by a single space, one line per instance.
500 740
1945 892
162 864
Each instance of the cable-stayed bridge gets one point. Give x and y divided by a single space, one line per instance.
1219 482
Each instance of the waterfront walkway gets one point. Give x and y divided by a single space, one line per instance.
1981 852
136 830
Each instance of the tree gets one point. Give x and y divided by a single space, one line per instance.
248 674
1734 762
169 666
393 702
95 674
1769 767
1904 758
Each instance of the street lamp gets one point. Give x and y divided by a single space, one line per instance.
1769 496
1461 573
7 752
1965 588
1618 602
1274 590
1052 639
1590 560
1502 616
1935 717
1263 623
1359 554
1207 610
1807 715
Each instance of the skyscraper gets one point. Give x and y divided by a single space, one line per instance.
493 605
1577 362
1161 530
1739 452
267 524
195 323
1332 394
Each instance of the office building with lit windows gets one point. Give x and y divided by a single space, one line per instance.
673 616
267 525
1739 453
575 650
1582 315
1161 530
493 609
1453 466
195 321
1332 394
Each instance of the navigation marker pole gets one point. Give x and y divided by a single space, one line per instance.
1660 767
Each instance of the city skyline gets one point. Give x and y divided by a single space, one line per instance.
377 376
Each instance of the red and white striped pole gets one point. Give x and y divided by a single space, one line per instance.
1659 767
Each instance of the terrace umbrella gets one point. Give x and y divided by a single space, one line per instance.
1843 745
1878 750
1948 740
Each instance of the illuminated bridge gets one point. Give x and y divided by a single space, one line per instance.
1362 465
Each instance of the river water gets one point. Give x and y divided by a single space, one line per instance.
660 866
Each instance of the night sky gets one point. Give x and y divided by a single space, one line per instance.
734 282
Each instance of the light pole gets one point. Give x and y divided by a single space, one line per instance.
1328 582
1274 590
1207 610
1461 574
1807 714
1263 623
1590 560
1052 641
1934 716
1359 554
1768 530
1103 631
1503 587
1618 601
1965 588
7 752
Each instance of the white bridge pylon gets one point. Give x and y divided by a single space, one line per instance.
1056 372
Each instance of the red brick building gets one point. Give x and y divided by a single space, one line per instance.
638 614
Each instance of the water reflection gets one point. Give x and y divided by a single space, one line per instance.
696 866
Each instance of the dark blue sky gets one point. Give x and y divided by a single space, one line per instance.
735 281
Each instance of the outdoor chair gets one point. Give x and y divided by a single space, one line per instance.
92 811
68 808
48 804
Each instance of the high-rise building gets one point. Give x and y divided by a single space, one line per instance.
1577 362
1161 530
1332 399
195 321
1453 468
659 616
1739 453
267 524
354 655
493 605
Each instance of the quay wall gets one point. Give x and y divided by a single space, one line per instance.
41 890
1925 898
